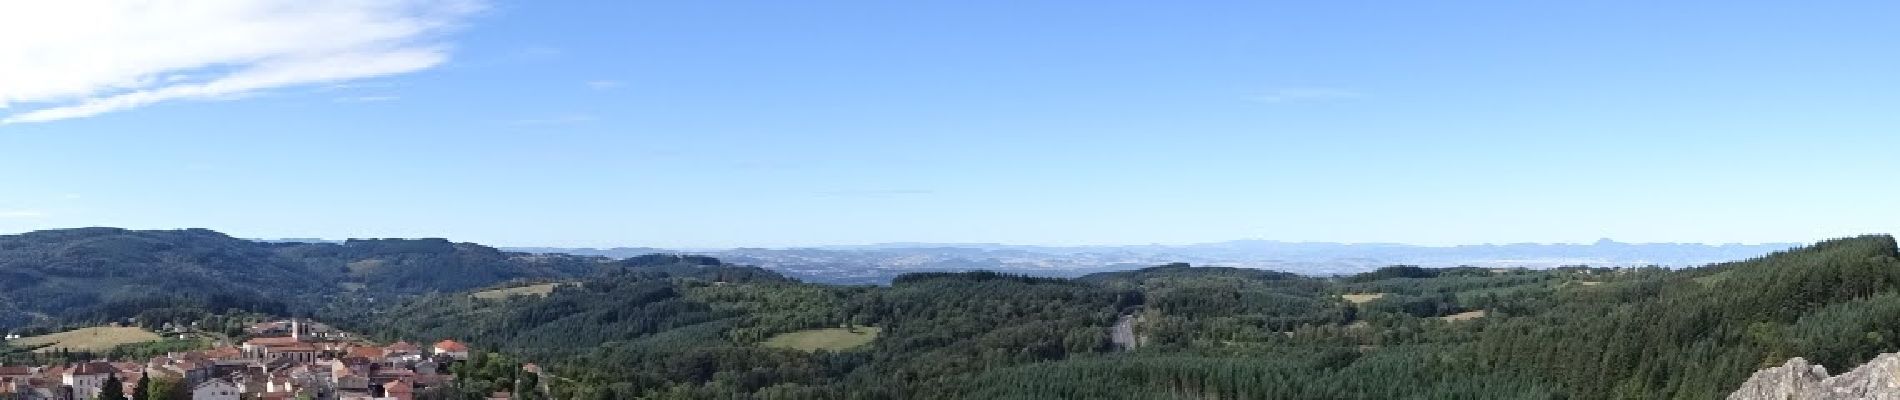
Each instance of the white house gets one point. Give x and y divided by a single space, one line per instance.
87 378
215 389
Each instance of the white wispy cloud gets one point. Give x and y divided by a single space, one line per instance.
73 59
1289 95
21 214
366 99
352 85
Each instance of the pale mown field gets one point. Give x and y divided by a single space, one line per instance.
1362 298
1468 315
530 290
90 339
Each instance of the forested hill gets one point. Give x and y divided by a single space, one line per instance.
91 274
669 326
68 273
1399 332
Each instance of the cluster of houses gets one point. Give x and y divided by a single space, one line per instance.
284 360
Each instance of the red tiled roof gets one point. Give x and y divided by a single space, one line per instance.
94 368
451 346
272 341
399 386
16 370
402 347
366 352
224 352
161 373
299 347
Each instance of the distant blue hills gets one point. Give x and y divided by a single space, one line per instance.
877 263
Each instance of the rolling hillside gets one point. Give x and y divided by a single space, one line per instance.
695 327
99 274
1572 332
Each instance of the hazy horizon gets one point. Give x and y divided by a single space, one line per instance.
901 243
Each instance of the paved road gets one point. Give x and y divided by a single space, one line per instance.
1124 333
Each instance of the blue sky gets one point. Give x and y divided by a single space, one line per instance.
770 123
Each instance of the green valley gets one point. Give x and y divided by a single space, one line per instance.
674 326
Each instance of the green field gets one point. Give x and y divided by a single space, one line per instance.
823 339
541 290
365 266
1712 279
91 339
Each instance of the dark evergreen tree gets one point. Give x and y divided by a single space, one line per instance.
112 388
143 390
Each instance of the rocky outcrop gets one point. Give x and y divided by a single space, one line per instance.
1800 380
1789 381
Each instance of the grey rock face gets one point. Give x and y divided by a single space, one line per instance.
1798 380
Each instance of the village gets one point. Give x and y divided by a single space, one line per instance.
286 359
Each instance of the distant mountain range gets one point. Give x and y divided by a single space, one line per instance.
878 263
